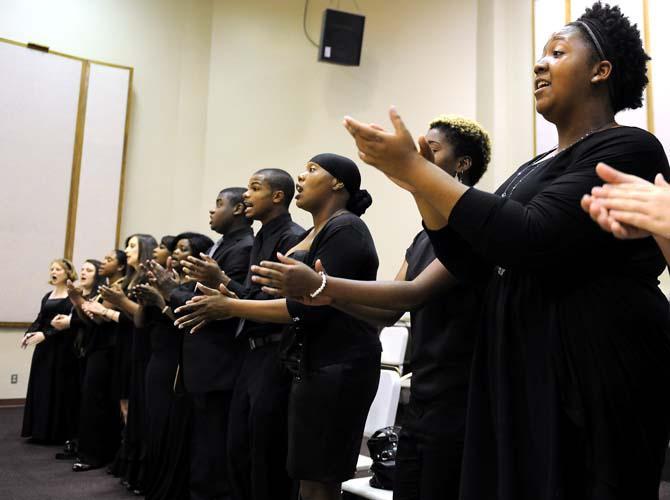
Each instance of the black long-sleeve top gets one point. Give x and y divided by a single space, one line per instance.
573 357
346 250
210 356
278 235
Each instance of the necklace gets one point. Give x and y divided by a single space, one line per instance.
522 174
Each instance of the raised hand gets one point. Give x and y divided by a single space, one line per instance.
113 295
148 295
162 278
212 305
61 322
393 153
204 270
286 278
75 294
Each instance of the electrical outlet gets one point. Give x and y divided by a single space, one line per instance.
14 378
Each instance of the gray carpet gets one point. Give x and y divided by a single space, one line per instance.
30 472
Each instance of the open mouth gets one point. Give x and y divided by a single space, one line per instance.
541 84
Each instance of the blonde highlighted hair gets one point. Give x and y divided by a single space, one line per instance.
468 138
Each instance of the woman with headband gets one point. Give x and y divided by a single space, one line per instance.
335 357
572 364
50 414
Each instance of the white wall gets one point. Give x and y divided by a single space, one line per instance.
271 104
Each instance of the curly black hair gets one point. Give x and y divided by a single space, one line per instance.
622 46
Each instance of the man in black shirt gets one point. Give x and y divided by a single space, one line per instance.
211 359
257 445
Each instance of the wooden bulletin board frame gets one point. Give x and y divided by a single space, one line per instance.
78 148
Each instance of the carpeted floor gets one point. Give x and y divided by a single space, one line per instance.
30 472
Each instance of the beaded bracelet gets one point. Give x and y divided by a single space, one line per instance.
318 291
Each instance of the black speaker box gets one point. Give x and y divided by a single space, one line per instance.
341 38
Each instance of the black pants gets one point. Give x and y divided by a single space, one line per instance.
257 444
99 417
209 429
430 450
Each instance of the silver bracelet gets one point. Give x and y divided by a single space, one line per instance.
318 291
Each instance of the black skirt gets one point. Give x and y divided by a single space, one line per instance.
328 407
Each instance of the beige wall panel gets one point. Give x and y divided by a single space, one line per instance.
38 112
101 162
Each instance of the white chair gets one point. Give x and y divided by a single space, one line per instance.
382 412
361 487
394 344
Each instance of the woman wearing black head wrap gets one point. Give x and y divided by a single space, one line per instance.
336 377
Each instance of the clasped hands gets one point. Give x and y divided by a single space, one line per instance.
628 206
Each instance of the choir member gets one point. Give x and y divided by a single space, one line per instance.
129 463
166 408
210 360
257 442
50 414
443 319
99 417
566 392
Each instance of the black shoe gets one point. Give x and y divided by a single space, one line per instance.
82 467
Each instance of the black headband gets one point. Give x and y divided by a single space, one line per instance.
600 44
341 168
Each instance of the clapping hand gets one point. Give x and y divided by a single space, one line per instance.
392 153
164 279
290 278
113 295
94 309
204 270
212 305
148 295
75 293
628 206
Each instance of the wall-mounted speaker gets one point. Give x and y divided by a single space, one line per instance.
341 38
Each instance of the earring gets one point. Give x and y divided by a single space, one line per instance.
459 176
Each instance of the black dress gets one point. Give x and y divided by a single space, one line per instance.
129 463
571 371
430 446
52 401
100 415
167 411
340 362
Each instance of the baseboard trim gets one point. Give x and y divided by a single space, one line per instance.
5 403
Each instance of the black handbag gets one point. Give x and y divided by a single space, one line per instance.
383 446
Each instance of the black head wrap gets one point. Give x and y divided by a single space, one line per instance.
347 172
